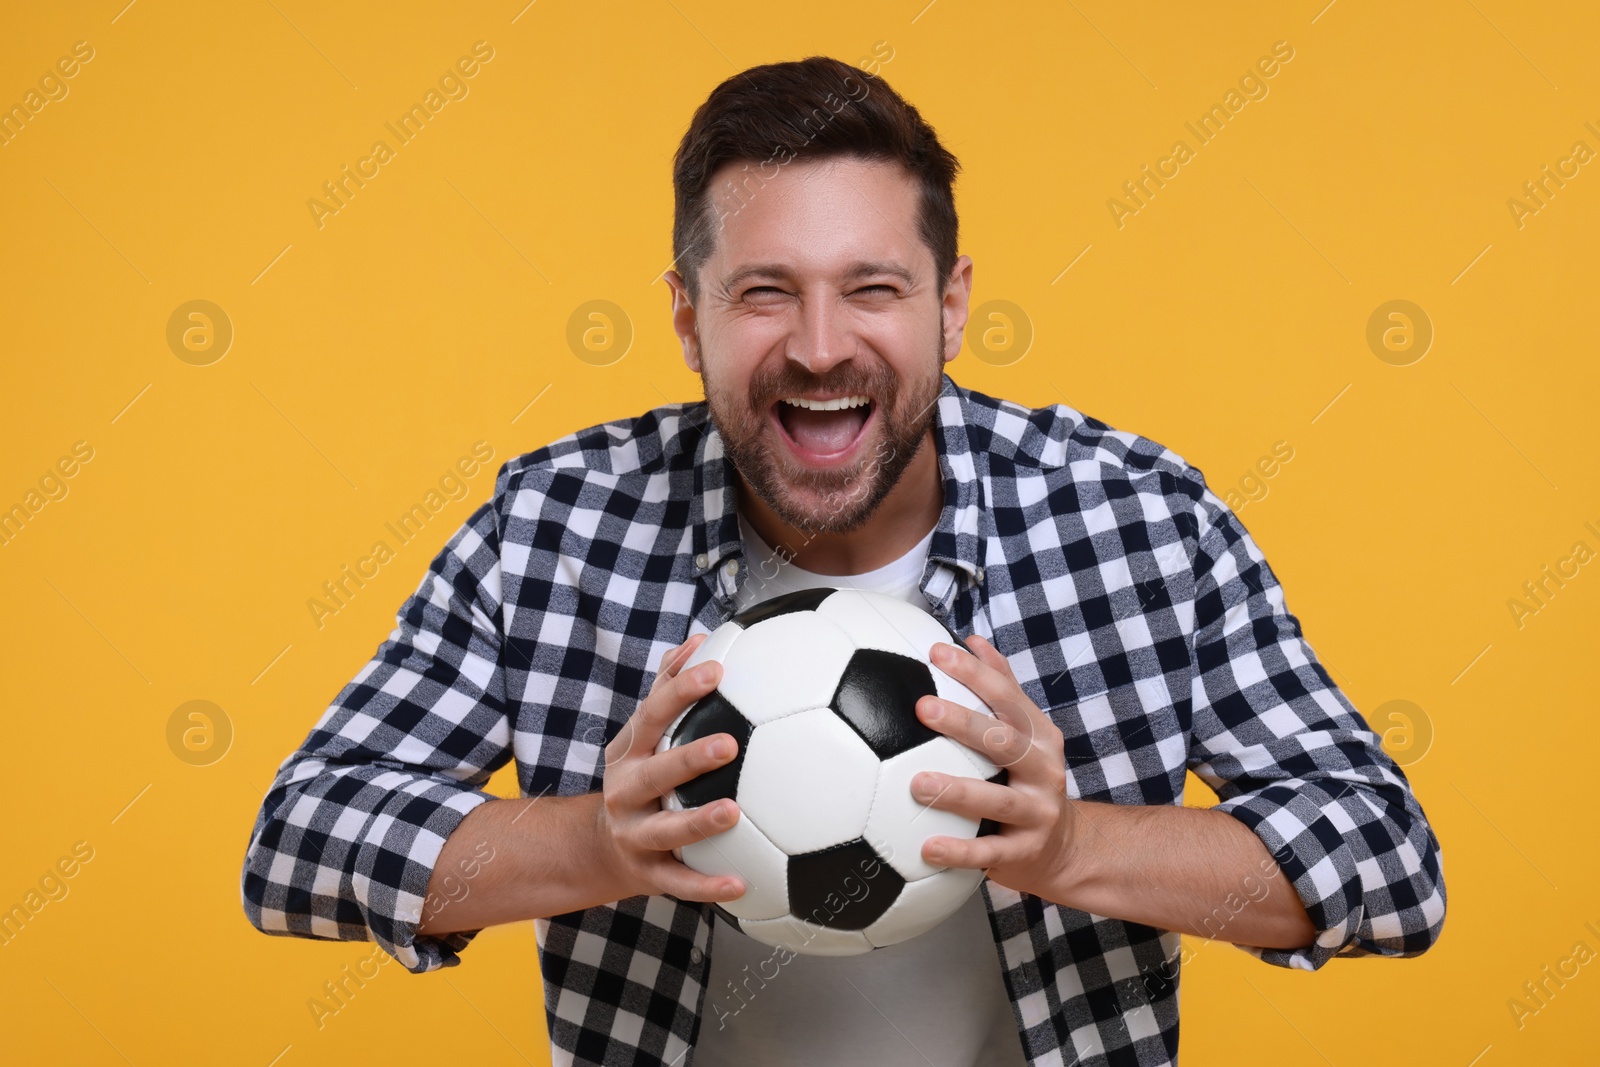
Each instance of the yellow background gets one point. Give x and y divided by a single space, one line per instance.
1225 316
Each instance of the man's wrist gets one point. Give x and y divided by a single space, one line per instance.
1082 861
611 876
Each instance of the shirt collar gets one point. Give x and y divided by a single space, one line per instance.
955 550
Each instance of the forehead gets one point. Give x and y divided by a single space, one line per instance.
817 216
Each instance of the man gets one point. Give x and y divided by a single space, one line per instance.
1116 615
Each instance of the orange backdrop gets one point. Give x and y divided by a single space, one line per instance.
224 385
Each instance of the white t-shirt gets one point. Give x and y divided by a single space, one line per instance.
935 999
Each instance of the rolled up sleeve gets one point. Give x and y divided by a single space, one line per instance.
349 833
1291 758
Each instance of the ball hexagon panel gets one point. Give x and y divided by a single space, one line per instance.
846 887
787 664
744 850
808 781
922 905
712 714
878 695
807 938
899 823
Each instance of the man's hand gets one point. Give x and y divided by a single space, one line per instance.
1038 821
543 850
635 833
1167 866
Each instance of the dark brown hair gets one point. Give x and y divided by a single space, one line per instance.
814 108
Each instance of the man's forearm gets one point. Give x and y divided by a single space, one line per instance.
1186 869
515 859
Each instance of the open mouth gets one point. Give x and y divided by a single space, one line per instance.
823 431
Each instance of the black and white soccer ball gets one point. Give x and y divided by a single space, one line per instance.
819 687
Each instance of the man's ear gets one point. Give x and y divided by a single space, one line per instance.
954 308
683 321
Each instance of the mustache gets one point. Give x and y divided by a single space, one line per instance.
769 386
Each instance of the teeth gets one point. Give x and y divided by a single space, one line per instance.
827 405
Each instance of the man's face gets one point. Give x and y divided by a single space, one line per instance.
820 291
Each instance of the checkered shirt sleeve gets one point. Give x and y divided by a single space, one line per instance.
1291 758
353 824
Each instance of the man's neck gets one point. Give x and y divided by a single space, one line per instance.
904 517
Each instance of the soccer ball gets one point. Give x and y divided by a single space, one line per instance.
819 687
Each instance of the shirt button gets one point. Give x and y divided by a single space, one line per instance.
695 955
980 574
701 560
732 567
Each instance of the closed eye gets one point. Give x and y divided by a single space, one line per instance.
762 289
874 289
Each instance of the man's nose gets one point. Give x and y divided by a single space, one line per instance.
824 337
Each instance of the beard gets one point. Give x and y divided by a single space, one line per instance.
827 501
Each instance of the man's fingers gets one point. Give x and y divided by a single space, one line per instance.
967 667
662 772
987 673
675 658
680 691
667 700
674 878
994 738
971 797
978 854
684 651
628 738
984 649
667 830
675 829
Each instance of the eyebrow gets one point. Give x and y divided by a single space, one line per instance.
781 272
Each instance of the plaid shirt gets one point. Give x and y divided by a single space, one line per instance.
1134 609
